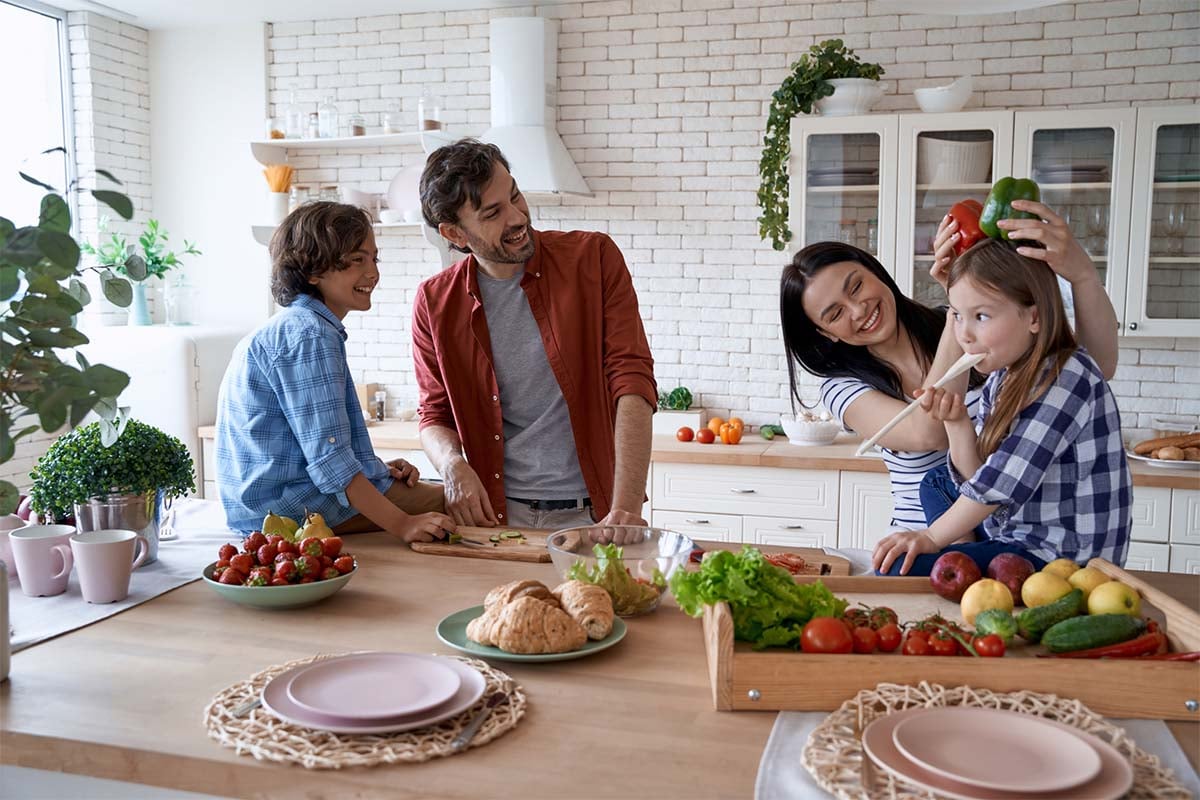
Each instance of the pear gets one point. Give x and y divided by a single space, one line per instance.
315 526
273 524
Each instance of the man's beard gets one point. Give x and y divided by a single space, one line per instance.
497 255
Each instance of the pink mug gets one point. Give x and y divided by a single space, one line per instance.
43 558
7 524
105 560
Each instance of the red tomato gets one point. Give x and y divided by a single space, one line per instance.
685 434
826 635
242 562
311 546
344 564
253 542
865 640
226 552
705 436
857 616
942 646
915 646
990 646
889 637
332 546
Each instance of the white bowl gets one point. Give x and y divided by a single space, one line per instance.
390 216
945 99
850 96
810 433
951 161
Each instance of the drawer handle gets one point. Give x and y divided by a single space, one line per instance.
696 521
743 491
791 527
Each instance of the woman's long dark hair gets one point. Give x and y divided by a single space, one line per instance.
808 348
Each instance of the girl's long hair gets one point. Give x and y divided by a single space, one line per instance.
806 347
995 265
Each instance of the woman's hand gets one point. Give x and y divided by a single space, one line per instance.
942 405
1059 248
943 250
403 471
909 544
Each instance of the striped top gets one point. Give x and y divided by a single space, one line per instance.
906 468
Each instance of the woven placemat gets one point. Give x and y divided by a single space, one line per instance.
269 738
833 754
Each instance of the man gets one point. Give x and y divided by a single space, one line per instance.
536 380
290 433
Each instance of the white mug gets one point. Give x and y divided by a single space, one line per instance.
43 558
106 559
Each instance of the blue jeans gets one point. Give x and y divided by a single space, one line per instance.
938 493
980 552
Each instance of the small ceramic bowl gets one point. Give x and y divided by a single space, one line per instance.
295 595
945 99
810 432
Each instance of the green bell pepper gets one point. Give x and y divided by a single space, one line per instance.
998 205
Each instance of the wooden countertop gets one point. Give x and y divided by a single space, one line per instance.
754 451
123 698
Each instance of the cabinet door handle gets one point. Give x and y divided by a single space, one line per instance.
743 491
696 521
1133 326
791 527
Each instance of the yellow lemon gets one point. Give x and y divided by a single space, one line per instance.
1043 588
982 595
1062 567
1114 597
1087 579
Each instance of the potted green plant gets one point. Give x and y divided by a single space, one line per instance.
828 68
675 411
43 384
125 485
154 261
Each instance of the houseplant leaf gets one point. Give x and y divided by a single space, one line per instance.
116 201
55 215
116 289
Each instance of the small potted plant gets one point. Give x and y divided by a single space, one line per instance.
154 261
126 485
829 77
675 411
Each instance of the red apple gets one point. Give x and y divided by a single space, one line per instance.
1011 570
952 573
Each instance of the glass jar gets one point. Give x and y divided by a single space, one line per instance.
327 119
293 118
274 128
180 300
846 232
314 126
357 125
299 196
873 236
330 194
429 111
392 121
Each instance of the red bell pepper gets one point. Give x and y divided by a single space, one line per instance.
966 214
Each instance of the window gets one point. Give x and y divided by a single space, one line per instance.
34 61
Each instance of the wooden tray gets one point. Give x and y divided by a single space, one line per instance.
779 679
532 549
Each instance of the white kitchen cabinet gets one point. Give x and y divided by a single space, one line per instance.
1149 557
1185 517
1151 514
1163 285
864 509
767 491
700 526
789 532
1185 559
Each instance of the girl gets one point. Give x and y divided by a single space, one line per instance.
1046 471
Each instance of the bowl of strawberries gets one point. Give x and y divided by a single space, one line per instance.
275 572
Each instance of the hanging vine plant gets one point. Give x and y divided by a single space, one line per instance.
808 82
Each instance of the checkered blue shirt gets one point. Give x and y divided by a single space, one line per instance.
290 431
1060 477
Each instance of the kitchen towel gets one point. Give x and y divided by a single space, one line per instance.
200 530
781 776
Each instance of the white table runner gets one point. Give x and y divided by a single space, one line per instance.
200 531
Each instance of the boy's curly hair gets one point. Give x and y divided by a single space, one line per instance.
314 239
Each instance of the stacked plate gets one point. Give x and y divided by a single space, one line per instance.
843 176
373 692
1070 172
989 754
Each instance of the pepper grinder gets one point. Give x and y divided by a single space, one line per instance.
380 404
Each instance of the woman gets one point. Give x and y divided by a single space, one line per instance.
844 319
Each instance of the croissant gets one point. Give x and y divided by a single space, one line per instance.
480 628
589 605
529 626
505 594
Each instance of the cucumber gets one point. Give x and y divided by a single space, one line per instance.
1032 623
997 621
1098 630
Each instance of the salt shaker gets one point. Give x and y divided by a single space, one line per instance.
5 644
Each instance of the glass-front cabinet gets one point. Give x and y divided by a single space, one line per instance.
944 158
1164 277
1083 164
842 183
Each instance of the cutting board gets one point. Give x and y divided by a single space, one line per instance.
817 561
531 549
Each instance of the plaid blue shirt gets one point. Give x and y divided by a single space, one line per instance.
1060 477
290 432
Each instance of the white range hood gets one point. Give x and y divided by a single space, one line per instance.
524 56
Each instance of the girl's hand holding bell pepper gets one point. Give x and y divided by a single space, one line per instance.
966 214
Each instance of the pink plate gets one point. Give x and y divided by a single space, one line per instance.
1114 779
1037 756
276 701
360 687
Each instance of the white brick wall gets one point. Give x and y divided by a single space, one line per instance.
662 104
110 87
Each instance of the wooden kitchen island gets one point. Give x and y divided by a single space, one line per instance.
123 698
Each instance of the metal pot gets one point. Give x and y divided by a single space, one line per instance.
128 511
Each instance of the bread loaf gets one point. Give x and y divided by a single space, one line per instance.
1183 441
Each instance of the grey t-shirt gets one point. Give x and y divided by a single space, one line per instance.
540 461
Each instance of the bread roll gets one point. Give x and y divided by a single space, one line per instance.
1191 454
1169 453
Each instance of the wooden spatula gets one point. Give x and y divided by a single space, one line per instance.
957 368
